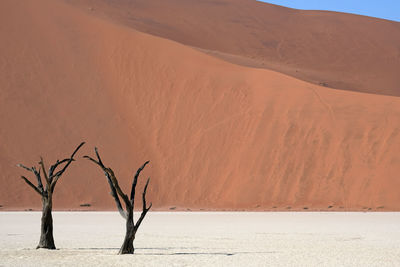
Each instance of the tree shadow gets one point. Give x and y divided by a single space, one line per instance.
188 253
207 253
168 252
94 248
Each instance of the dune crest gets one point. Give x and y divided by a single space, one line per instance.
336 50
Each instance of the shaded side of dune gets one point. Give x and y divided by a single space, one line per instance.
336 50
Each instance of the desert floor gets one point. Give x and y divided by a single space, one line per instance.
207 238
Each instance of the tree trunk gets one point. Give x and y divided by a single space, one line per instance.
127 246
46 233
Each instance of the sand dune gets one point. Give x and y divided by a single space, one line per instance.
333 49
219 135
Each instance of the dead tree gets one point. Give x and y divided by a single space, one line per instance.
51 178
127 214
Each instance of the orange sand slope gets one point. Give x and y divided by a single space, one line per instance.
332 49
219 135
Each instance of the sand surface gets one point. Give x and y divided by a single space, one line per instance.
338 50
207 239
219 135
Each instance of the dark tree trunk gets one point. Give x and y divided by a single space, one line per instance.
46 230
116 192
127 246
46 192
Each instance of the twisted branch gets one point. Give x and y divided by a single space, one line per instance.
31 185
41 163
109 174
144 208
39 188
51 179
117 191
57 176
135 182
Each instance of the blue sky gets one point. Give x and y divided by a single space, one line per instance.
387 9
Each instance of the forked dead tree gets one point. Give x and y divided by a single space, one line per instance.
51 178
127 214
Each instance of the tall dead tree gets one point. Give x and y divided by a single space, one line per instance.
127 214
51 178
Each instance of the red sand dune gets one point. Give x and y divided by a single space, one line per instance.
219 135
333 49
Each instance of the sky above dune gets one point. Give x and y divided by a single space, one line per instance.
386 9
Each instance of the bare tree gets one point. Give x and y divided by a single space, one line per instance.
51 178
127 214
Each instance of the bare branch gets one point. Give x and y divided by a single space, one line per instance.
38 178
54 167
144 193
118 189
70 160
145 209
99 162
135 179
32 185
98 157
144 212
24 167
59 173
115 196
41 163
92 159
37 174
76 149
109 173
